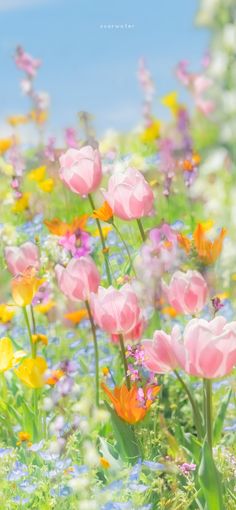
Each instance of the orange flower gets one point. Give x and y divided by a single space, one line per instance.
105 371
5 144
54 377
60 228
184 242
208 251
104 213
23 436
76 316
127 404
24 287
104 463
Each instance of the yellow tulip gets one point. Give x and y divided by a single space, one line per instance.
24 287
7 356
32 372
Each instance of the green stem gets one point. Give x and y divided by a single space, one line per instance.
125 245
196 413
104 247
122 348
141 229
208 411
32 345
95 351
33 319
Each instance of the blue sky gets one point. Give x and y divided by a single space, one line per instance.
89 68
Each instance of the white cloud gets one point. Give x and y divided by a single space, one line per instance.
12 5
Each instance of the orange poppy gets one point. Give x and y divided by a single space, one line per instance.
76 316
104 213
60 228
127 404
184 242
208 251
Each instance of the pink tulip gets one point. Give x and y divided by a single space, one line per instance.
187 292
129 195
20 258
133 335
81 170
210 348
159 353
78 279
116 311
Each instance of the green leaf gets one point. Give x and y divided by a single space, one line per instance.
219 421
127 445
190 443
210 480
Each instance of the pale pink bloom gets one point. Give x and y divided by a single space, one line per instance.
70 137
78 279
145 79
49 151
129 195
159 354
25 62
81 170
200 84
209 348
116 311
206 106
133 335
182 73
20 258
187 292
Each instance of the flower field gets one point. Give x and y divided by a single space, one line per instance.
118 298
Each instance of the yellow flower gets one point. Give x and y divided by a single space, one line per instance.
105 371
152 132
7 357
45 307
32 372
47 185
170 101
25 286
6 313
104 213
38 337
16 120
39 117
105 232
37 174
5 144
21 203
